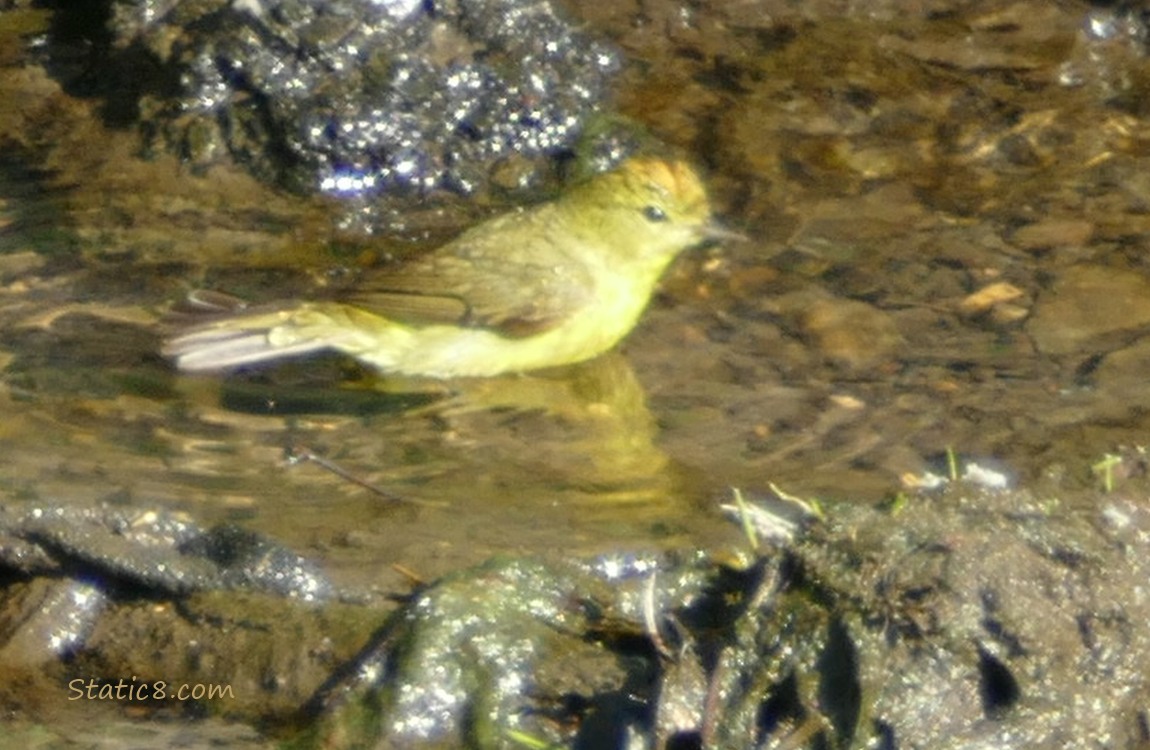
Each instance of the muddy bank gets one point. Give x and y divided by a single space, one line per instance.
964 617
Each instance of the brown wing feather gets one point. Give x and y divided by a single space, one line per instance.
475 282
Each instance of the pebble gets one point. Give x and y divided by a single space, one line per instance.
850 333
1050 233
1084 305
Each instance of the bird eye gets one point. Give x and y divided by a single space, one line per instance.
654 213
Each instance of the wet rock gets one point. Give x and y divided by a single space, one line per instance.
995 629
1109 55
1089 309
500 648
354 97
850 333
154 550
104 594
249 560
22 556
995 303
1121 376
142 551
45 619
1048 233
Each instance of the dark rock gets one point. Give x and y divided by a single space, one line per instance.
156 552
356 98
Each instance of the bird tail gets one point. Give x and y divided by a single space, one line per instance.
219 332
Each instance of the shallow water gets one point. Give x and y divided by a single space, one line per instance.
884 169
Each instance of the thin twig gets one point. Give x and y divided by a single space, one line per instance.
413 579
711 703
298 454
650 620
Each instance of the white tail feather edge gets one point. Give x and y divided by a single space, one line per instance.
204 351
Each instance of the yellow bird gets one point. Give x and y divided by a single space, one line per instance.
555 284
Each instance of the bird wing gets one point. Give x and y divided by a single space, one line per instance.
479 282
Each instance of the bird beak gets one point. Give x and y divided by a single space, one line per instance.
716 232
